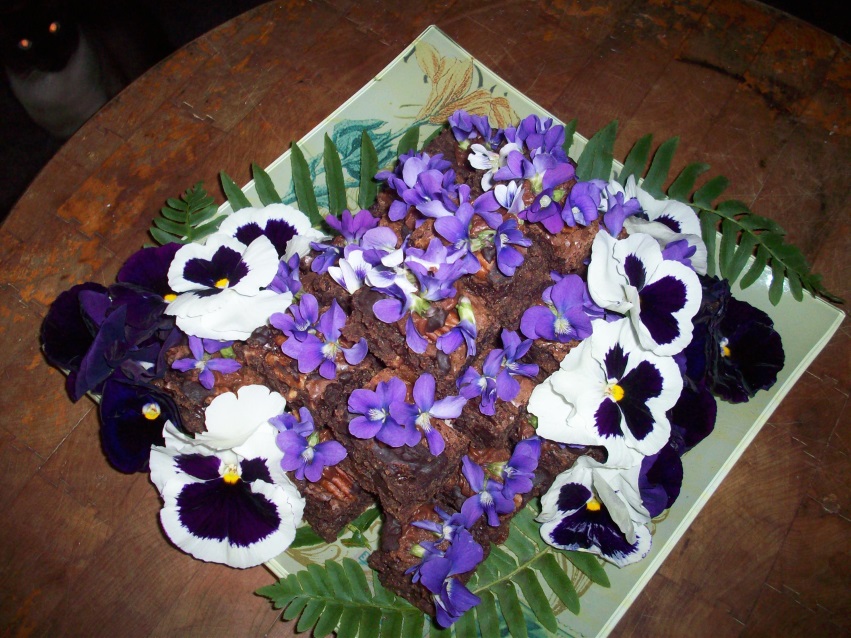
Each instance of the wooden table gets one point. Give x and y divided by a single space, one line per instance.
762 97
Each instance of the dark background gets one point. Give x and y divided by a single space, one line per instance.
169 24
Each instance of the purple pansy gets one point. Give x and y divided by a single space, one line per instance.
487 499
661 478
303 452
425 408
375 418
311 352
564 318
205 365
148 269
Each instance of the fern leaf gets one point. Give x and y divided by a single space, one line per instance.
589 565
636 159
409 141
512 611
263 184
307 583
536 599
755 270
334 178
558 581
436 631
683 185
310 615
323 581
303 186
357 578
740 259
391 625
520 546
660 167
295 608
342 586
349 626
795 285
236 197
186 219
368 188
306 537
596 160
729 237
708 226
370 618
169 226
327 622
569 134
710 191
486 615
466 624
775 289
412 625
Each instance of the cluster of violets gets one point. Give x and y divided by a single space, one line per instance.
496 489
658 342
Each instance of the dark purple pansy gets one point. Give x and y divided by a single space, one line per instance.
661 478
66 334
224 269
148 268
132 419
693 416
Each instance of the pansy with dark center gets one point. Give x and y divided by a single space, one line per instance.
425 408
611 392
312 352
287 228
148 269
303 452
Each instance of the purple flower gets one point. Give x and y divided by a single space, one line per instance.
205 365
453 602
148 269
312 352
303 453
447 527
619 208
466 126
464 332
507 258
287 279
583 202
564 318
425 408
518 473
471 384
488 498
661 478
376 419
451 597
546 211
327 255
541 136
513 350
352 228
304 319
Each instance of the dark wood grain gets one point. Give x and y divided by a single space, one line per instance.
763 97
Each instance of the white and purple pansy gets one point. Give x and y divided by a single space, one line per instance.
660 296
611 392
226 498
286 227
220 287
591 508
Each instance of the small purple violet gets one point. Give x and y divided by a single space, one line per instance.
425 408
205 365
464 332
564 318
375 418
303 452
508 259
488 498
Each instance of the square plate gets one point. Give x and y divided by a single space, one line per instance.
425 84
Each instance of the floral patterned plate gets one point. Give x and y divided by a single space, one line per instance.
425 84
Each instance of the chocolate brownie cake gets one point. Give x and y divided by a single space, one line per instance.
452 318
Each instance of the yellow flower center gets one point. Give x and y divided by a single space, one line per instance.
725 349
615 391
231 475
222 283
170 297
593 505
151 410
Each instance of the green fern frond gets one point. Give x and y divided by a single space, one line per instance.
337 596
334 178
187 219
264 187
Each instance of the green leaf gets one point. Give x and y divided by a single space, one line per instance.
349 625
710 191
235 196
520 546
169 226
264 187
486 614
365 520
708 226
327 623
596 160
755 270
368 188
409 141
436 631
338 576
536 599
371 619
636 159
660 167
357 578
682 186
306 537
303 186
334 178
729 235
307 583
589 565
295 607
558 581
412 625
795 285
569 134
740 259
187 219
466 624
391 625
322 579
509 604
310 615
775 289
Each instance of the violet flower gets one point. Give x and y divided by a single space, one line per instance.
508 259
464 332
303 453
425 408
541 136
375 417
287 278
563 319
546 210
487 386
352 227
518 473
619 206
451 597
513 350
205 365
312 352
302 319
487 499
467 126
448 526
584 200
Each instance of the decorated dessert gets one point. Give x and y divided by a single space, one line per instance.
498 332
